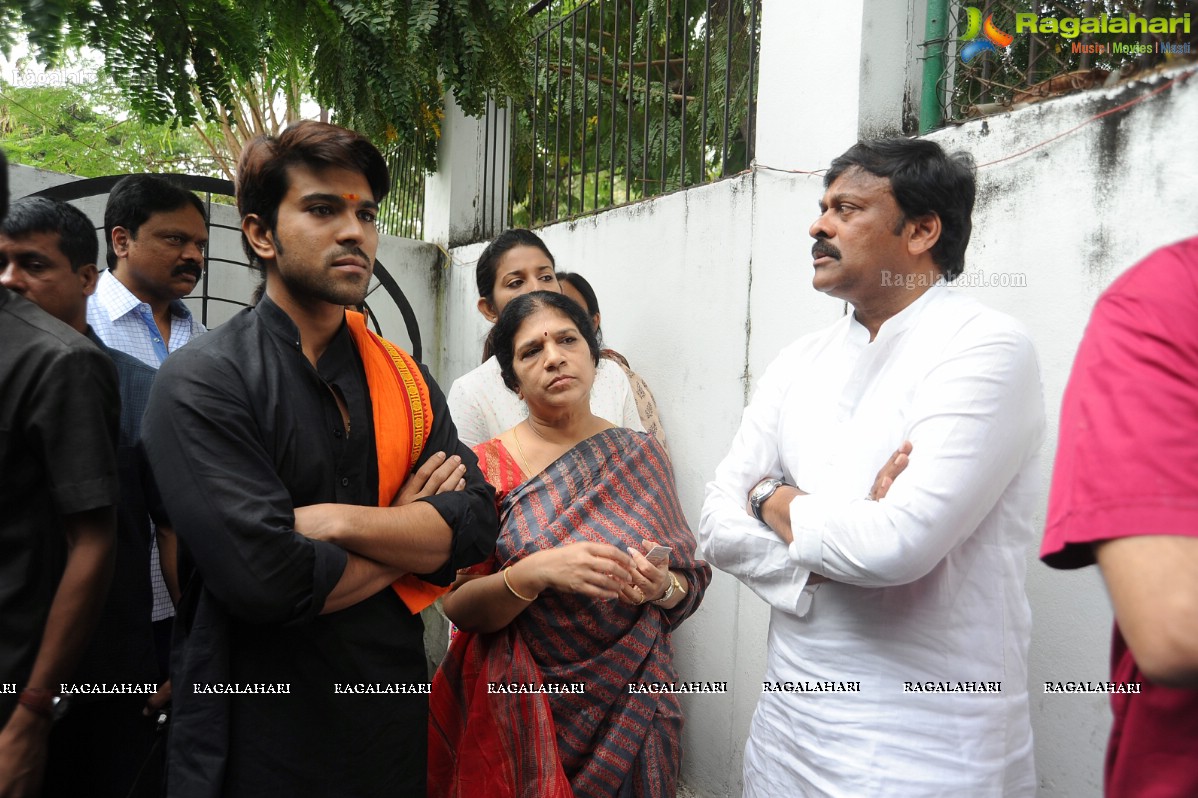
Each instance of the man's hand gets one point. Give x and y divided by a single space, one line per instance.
331 522
890 471
23 754
439 474
157 701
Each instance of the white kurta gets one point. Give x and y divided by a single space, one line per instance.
928 583
482 406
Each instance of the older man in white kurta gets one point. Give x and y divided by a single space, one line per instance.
899 627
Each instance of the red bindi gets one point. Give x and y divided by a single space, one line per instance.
350 197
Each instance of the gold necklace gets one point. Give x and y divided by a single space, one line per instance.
520 449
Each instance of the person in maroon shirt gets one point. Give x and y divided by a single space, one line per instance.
1125 495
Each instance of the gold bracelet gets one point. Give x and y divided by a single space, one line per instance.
675 587
513 590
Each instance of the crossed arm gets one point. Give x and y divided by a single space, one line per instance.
975 418
244 534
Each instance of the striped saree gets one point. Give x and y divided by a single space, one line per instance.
615 487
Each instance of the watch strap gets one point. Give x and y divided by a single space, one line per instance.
39 700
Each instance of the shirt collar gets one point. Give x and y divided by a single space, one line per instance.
905 319
280 324
117 300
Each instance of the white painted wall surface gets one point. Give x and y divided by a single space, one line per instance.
701 289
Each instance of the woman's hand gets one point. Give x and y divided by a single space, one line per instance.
650 580
597 570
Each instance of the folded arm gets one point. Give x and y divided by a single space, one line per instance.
976 420
443 519
731 539
226 500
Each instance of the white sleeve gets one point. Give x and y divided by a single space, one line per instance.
466 413
975 421
732 539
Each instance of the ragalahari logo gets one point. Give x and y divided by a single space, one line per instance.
993 38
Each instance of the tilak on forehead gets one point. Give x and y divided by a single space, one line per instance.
350 197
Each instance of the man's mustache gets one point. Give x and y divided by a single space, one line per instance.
823 249
353 252
195 270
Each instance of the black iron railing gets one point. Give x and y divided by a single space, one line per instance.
631 99
993 55
402 211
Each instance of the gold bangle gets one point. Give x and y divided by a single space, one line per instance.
513 590
674 587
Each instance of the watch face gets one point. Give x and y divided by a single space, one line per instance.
763 490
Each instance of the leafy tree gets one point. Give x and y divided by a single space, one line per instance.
77 122
383 66
624 107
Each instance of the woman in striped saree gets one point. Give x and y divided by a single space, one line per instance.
551 689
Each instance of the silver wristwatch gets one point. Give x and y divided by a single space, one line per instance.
760 493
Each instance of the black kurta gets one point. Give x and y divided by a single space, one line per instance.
58 422
240 430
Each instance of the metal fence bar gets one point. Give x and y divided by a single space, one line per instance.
570 137
586 83
487 122
751 118
611 178
645 136
727 90
706 84
628 118
686 29
557 145
665 98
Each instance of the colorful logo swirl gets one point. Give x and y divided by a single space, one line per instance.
993 38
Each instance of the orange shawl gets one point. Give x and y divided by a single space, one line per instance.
402 418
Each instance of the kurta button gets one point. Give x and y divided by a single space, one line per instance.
336 433
344 482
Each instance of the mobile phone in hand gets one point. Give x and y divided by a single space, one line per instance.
658 555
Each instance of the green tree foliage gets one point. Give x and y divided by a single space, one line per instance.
382 66
633 98
76 122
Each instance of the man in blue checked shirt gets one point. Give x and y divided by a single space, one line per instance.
156 234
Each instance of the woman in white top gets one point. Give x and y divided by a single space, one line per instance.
515 263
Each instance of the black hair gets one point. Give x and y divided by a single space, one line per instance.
488 262
136 198
76 235
503 336
580 284
263 170
924 179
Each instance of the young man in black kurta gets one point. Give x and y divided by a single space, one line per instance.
262 438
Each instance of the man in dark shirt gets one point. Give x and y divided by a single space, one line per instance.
267 441
58 423
106 744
